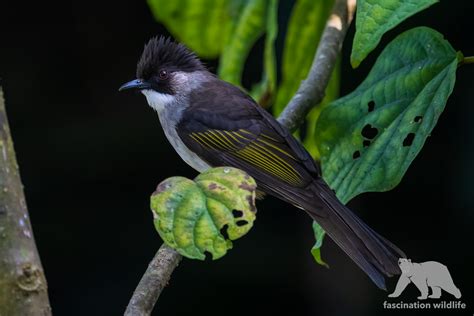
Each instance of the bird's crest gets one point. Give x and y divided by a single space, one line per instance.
162 52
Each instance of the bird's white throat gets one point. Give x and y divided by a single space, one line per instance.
169 116
157 100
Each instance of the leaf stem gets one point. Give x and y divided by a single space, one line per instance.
467 60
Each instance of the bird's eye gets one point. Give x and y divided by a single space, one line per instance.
163 74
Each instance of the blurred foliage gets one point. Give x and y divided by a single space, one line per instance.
365 140
375 18
305 28
266 89
204 25
204 215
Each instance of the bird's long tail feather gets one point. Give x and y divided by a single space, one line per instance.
375 255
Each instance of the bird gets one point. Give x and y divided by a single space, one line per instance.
212 123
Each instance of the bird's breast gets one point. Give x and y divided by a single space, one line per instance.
168 122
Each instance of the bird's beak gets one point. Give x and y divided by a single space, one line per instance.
135 84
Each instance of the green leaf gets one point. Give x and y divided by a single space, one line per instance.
251 24
368 138
375 18
264 91
316 250
191 216
203 25
305 27
269 62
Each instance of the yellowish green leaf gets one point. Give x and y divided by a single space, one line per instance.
204 215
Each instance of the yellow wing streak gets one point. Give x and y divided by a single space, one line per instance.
198 138
269 137
267 143
227 141
290 171
208 141
212 140
221 140
276 147
247 155
233 137
246 132
231 146
253 152
285 171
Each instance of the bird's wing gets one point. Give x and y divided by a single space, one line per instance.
229 128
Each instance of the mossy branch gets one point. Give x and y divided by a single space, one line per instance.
23 289
154 280
312 90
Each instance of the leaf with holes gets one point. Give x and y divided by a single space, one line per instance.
375 18
203 25
368 138
204 215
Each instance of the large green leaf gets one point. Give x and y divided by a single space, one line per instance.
203 25
265 90
204 215
375 18
250 25
305 27
368 138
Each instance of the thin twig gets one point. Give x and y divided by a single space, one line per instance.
310 93
312 90
156 277
23 289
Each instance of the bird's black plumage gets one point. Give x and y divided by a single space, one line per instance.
225 127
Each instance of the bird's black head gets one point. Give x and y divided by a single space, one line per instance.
162 53
161 60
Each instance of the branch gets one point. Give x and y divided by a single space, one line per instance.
23 289
156 277
310 93
312 90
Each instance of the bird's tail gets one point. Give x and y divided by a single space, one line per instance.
374 254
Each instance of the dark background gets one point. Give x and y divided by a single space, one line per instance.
90 157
